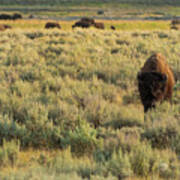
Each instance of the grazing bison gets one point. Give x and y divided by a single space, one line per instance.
52 25
155 81
16 16
113 28
84 23
175 21
3 27
5 16
175 24
88 20
99 25
10 17
175 27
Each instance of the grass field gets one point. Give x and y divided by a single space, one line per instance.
67 25
70 108
69 102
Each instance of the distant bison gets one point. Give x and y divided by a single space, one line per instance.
175 27
52 25
175 21
10 17
175 24
99 25
5 16
155 81
113 28
88 20
84 22
3 27
81 24
16 16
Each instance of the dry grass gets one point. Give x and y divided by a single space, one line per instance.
67 25
57 85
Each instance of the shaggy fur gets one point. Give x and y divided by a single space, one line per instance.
155 81
88 20
99 25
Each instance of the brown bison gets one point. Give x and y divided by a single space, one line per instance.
52 25
175 21
88 20
155 81
99 25
84 22
3 27
81 24
175 27
175 24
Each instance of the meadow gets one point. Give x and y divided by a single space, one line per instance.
70 107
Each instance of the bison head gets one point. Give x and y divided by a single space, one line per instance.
152 86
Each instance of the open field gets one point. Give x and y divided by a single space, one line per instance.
69 102
67 25
70 108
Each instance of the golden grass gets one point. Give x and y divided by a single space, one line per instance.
67 25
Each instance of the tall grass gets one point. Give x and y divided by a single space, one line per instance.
74 94
67 25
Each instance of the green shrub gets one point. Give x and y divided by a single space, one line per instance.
119 165
163 128
140 160
125 117
83 139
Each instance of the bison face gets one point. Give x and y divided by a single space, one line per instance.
152 86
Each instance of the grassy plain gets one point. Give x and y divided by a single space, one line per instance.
69 105
124 25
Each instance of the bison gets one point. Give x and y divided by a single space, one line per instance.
84 23
5 16
155 81
16 16
99 25
81 24
175 24
175 21
88 20
10 17
52 25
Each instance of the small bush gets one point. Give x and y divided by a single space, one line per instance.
140 160
83 139
119 165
